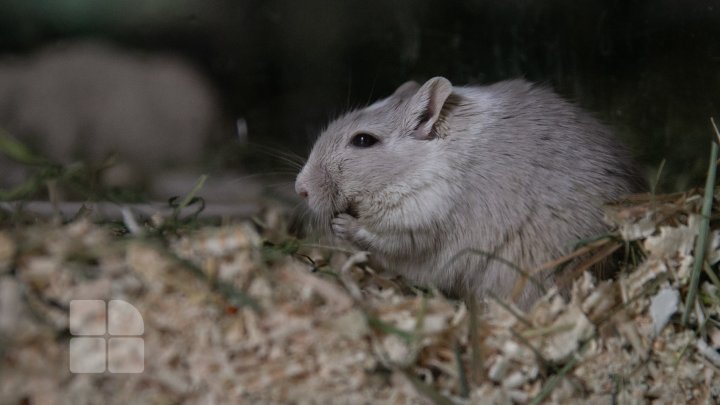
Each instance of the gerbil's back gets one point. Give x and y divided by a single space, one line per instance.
536 171
535 141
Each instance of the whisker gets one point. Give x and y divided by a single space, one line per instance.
280 186
349 89
372 89
289 157
268 174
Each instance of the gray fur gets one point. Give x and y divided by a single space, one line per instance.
510 169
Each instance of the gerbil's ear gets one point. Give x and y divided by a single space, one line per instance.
406 90
425 106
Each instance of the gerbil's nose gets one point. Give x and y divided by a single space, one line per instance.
301 190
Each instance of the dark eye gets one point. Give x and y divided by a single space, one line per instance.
363 140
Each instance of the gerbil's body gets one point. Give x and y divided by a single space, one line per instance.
510 169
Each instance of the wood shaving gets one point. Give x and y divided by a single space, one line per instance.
241 314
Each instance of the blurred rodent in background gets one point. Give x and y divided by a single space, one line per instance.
87 100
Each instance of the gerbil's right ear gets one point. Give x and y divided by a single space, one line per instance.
425 106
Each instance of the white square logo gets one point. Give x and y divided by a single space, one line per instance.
106 339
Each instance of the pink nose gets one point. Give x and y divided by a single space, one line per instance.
302 192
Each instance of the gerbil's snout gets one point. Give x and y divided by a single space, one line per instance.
302 182
315 186
300 188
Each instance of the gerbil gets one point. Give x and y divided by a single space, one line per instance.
87 100
510 169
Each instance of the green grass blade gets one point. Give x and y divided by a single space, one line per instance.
188 198
550 385
385 327
701 241
17 151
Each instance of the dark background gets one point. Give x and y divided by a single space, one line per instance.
650 68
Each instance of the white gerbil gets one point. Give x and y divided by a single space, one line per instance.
422 177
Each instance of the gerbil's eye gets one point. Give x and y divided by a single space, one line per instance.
363 140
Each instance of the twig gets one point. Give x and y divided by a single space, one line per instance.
496 258
476 362
108 211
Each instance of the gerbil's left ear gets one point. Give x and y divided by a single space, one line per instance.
425 106
406 90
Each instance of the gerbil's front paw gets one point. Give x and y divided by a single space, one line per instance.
346 227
